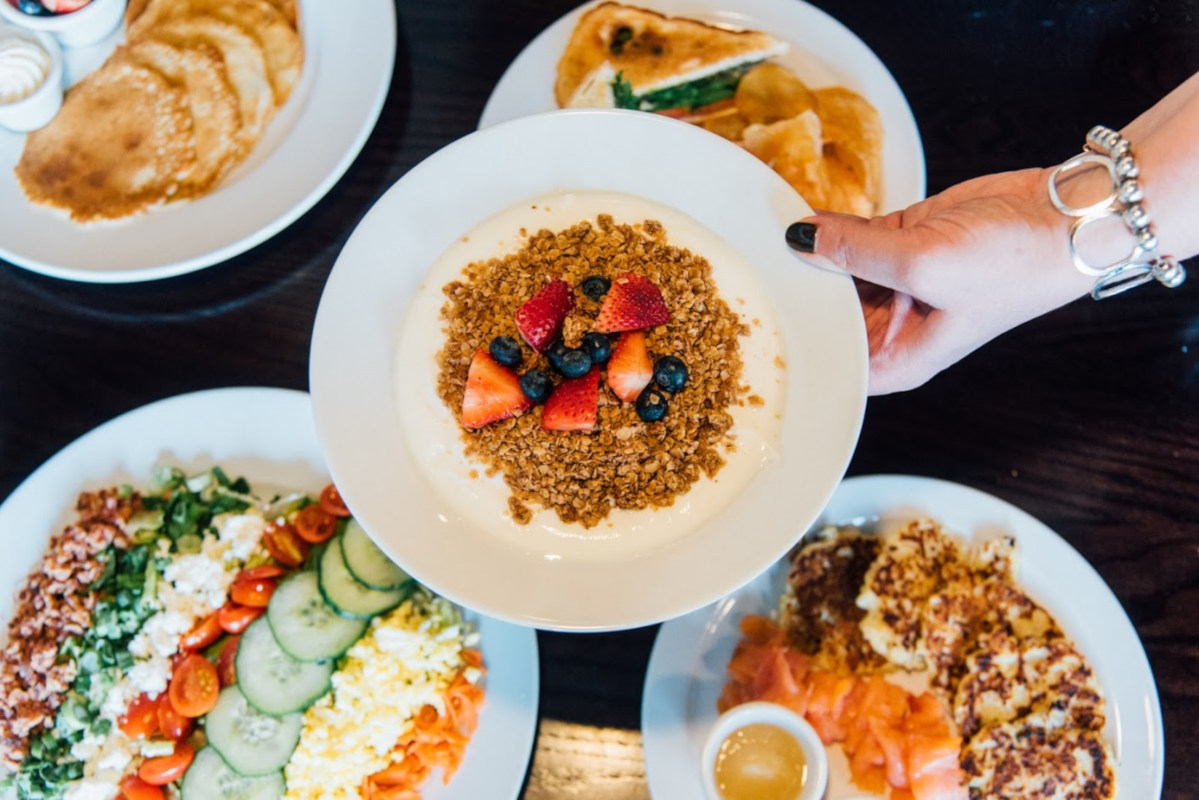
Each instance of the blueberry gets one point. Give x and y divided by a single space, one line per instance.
598 347
34 7
651 405
595 287
506 351
574 363
555 353
670 373
536 385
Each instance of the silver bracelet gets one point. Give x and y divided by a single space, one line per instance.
1107 148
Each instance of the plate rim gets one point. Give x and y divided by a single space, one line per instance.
284 408
554 35
332 395
380 55
664 720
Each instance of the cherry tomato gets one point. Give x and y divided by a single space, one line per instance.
331 501
235 618
134 788
255 592
226 663
165 769
194 686
315 525
173 725
281 541
261 571
207 631
141 718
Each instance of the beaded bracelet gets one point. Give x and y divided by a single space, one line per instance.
1107 148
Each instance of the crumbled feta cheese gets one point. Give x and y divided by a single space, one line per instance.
242 532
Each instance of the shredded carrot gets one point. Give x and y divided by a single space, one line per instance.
434 740
892 738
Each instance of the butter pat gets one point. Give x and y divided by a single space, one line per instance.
30 79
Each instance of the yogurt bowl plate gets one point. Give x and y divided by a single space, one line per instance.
396 451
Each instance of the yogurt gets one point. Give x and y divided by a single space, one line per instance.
432 432
24 66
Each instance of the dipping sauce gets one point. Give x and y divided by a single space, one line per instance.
760 761
24 66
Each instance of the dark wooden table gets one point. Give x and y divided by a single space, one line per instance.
1086 418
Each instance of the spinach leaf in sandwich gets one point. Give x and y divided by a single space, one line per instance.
689 95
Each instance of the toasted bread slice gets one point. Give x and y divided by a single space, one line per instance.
216 118
650 52
121 143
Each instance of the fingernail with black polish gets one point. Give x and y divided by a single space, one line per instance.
801 236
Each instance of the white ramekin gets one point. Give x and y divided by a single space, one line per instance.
35 110
774 714
78 28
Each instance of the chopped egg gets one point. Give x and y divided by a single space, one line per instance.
405 661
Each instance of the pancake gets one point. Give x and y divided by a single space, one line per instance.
121 143
288 8
245 65
216 119
277 37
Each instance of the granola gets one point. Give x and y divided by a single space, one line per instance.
624 462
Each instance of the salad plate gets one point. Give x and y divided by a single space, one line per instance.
392 443
687 668
349 58
823 53
267 436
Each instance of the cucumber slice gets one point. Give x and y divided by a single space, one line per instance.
367 562
307 627
343 591
210 778
252 743
273 681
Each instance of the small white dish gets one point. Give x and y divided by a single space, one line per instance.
78 28
39 107
815 779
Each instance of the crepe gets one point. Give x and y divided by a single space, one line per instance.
121 143
216 118
170 114
277 37
649 52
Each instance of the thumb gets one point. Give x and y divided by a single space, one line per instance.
875 250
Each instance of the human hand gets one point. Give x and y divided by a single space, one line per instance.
946 275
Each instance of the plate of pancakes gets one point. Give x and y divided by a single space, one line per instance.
198 130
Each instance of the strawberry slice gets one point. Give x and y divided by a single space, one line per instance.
629 368
492 392
633 303
573 404
540 319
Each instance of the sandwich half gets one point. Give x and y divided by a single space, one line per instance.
625 57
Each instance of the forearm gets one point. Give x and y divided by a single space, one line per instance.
1165 142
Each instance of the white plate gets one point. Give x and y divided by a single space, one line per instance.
823 53
266 435
349 55
687 666
391 443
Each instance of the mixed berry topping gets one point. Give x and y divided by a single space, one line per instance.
632 304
